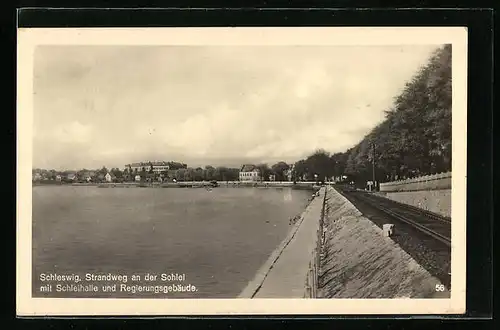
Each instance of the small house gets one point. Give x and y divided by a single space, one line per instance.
108 177
137 178
249 173
58 177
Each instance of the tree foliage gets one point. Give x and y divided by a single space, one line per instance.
415 137
279 169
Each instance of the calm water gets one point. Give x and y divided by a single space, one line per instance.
217 239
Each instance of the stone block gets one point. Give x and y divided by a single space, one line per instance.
388 229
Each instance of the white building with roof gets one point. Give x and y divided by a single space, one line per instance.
249 173
158 166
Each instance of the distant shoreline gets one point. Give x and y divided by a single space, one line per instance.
190 184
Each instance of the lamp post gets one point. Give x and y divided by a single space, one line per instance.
373 166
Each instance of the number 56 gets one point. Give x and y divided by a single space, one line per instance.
439 287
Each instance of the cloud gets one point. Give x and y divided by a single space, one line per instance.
120 104
73 132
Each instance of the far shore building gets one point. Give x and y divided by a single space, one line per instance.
137 178
37 177
58 177
108 177
158 167
249 173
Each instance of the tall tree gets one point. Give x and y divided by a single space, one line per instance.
300 170
180 174
198 174
209 173
279 170
264 171
117 173
320 165
415 137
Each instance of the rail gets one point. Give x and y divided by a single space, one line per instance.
312 287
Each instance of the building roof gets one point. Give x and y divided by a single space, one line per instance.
248 168
159 163
155 163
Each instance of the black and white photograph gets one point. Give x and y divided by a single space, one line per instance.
243 170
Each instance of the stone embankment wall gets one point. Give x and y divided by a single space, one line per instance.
358 261
430 192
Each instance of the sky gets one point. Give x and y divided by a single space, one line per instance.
109 106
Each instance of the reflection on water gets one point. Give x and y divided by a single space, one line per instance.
218 239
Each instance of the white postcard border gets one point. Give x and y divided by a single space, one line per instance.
29 38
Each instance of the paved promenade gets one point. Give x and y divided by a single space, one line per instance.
284 274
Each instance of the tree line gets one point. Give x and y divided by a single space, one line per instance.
207 173
415 137
179 173
413 140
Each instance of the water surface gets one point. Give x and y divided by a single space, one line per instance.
218 239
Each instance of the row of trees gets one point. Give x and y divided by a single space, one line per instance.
321 165
208 173
179 173
414 139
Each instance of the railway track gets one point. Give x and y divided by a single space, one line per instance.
434 225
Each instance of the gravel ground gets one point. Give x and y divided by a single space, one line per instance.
431 254
358 261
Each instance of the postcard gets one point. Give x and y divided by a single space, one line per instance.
241 171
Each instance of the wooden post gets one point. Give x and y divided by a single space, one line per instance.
311 275
388 229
